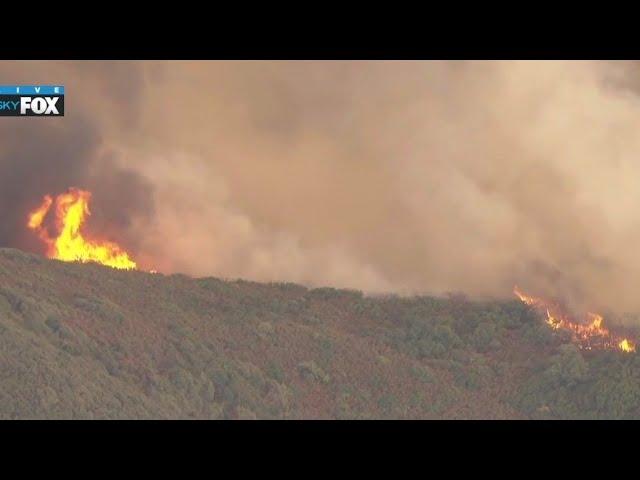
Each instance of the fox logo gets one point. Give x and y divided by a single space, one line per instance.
39 105
31 101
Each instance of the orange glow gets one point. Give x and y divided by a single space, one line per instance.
589 334
37 216
70 245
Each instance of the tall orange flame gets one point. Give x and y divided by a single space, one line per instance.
70 245
588 335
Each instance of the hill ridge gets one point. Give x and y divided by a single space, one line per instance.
86 341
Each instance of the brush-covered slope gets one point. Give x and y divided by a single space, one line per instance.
84 341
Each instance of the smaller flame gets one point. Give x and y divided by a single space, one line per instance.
37 216
596 323
627 346
587 335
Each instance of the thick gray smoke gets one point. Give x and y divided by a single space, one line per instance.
384 176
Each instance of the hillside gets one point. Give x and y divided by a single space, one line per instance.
85 341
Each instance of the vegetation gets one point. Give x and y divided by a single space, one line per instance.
84 341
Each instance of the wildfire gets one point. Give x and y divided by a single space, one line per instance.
70 245
590 334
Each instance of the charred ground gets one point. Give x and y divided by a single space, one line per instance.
85 341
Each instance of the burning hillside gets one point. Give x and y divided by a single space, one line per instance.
588 334
69 243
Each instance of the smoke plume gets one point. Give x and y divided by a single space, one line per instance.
384 176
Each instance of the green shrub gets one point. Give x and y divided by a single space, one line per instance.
568 367
423 373
485 336
312 371
101 308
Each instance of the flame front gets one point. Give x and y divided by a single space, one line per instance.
70 245
589 335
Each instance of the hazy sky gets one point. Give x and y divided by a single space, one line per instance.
383 176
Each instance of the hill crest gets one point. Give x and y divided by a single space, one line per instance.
86 341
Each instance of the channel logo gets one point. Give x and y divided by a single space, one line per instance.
31 101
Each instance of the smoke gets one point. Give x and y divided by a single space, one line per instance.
385 176
51 155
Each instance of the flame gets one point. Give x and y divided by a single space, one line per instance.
70 245
589 335
627 346
37 216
